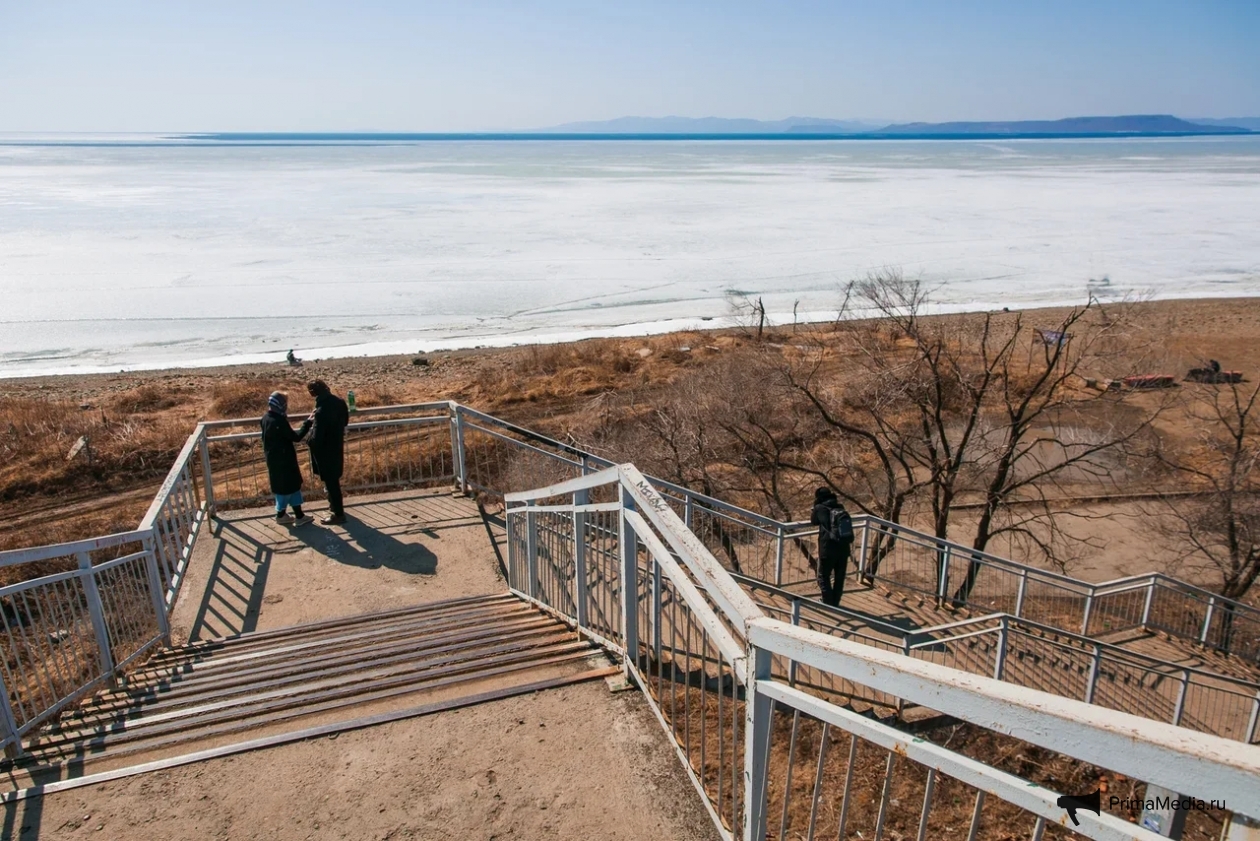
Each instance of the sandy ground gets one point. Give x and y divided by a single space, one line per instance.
577 762
572 763
395 550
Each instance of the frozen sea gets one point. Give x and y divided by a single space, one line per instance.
142 252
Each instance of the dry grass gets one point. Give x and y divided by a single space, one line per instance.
240 398
146 399
38 436
376 396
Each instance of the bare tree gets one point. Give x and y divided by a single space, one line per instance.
906 416
911 410
1218 525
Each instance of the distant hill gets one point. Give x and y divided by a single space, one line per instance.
1141 124
1135 124
1252 123
712 125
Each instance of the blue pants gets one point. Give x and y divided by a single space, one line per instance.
283 501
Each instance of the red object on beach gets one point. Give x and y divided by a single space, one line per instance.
1150 381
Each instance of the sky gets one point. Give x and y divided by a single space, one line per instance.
468 65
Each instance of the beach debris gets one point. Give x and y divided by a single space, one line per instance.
83 445
644 352
420 362
1051 338
1212 373
1145 381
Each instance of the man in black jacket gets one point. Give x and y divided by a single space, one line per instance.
331 416
833 547
283 473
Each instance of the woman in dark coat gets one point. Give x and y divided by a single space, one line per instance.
283 472
327 444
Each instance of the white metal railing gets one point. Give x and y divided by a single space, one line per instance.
703 653
1038 656
429 444
67 633
487 454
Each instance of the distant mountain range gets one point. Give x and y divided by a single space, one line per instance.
1141 124
1136 124
1252 123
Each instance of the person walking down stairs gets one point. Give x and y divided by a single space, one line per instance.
283 473
835 539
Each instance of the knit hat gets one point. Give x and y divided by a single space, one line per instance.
278 402
823 493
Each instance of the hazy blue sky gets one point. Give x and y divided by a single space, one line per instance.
118 65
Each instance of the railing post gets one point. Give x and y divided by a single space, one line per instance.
778 560
579 564
207 477
512 560
1251 736
156 591
657 609
1207 621
796 621
944 553
1089 607
531 553
1181 697
629 583
457 448
1242 828
1167 822
1095 669
688 507
758 710
866 542
9 724
1150 597
999 660
1019 595
97 612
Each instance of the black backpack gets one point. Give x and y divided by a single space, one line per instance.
841 525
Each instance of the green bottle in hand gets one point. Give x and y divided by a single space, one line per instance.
350 400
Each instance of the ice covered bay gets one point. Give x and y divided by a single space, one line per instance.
155 253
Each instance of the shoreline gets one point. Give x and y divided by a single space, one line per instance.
1224 328
540 336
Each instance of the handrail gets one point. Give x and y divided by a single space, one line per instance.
1196 764
172 478
11 557
927 635
371 410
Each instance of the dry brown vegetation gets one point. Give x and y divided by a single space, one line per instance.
670 403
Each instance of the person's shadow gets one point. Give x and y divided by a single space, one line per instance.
359 545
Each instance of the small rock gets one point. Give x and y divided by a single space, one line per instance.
644 352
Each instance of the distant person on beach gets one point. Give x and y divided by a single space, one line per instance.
327 443
835 537
293 360
283 472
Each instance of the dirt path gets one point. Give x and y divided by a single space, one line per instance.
574 763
